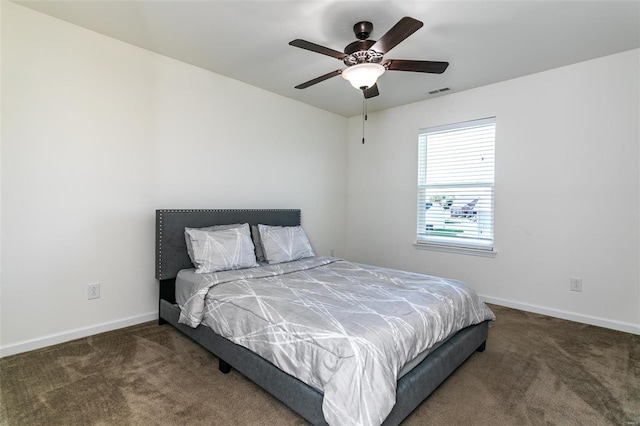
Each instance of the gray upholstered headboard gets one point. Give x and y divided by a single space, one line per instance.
171 249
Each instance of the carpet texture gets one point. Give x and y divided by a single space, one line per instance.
536 370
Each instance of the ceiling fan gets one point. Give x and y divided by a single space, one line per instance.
364 58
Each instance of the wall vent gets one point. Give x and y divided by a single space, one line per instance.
444 89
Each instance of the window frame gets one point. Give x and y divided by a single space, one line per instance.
472 246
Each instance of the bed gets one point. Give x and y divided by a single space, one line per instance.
411 388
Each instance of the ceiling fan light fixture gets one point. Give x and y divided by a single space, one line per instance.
363 75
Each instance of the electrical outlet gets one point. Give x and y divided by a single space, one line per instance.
93 291
331 252
576 284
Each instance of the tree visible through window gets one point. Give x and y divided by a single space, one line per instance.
456 184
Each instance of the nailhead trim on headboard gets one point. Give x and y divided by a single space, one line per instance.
159 240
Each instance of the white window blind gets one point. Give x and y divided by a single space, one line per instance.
456 184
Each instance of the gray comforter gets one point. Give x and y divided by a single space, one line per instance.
343 328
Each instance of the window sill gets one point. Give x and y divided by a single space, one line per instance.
446 248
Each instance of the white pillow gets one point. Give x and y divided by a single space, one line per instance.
222 250
208 228
284 243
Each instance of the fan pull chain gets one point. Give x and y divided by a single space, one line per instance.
364 113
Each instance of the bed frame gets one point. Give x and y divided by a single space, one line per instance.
171 256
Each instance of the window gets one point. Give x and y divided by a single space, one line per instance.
456 185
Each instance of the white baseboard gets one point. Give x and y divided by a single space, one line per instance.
571 316
54 339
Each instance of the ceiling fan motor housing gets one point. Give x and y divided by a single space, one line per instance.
359 52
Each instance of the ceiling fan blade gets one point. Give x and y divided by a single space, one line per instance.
433 67
303 44
319 79
371 92
403 29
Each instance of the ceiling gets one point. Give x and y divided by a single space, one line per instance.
484 41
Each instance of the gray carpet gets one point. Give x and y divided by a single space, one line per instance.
536 370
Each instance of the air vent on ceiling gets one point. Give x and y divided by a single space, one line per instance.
444 89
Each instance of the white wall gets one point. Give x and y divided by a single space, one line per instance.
567 190
97 134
